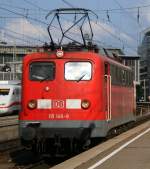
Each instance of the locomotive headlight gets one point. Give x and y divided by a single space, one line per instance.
85 104
59 53
32 104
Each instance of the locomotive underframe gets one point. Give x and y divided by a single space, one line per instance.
42 134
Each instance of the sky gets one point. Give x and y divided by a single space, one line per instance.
120 23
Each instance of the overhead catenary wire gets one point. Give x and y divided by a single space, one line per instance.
123 31
10 17
113 35
28 11
116 27
130 16
14 6
113 9
24 16
26 36
34 5
108 17
28 17
116 37
18 38
67 3
120 9
42 22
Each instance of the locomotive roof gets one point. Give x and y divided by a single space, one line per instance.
75 54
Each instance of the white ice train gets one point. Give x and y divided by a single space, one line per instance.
10 97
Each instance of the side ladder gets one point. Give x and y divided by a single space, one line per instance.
108 97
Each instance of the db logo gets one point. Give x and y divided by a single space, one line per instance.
58 104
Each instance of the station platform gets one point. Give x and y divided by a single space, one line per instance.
134 155
130 150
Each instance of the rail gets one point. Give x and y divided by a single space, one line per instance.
10 145
8 121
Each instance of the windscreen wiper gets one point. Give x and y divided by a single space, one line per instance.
45 78
37 77
80 78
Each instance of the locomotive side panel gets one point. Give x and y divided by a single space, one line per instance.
122 94
118 97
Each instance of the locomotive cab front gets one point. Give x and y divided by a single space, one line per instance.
62 96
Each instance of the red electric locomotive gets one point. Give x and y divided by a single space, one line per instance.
72 94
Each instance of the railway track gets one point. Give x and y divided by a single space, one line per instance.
10 145
8 121
14 156
23 159
8 129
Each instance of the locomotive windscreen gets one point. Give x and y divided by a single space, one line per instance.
42 71
78 71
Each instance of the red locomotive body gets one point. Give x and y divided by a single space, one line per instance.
74 95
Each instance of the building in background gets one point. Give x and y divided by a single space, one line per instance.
144 52
11 60
134 63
